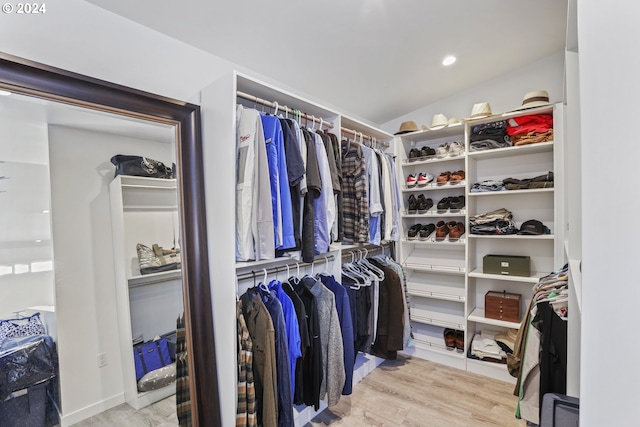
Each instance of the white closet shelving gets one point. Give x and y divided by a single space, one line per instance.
219 118
143 210
446 280
435 269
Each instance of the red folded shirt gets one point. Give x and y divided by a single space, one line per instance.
538 123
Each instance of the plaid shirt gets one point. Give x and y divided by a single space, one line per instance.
246 405
354 194
183 397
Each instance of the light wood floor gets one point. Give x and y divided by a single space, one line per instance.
412 392
408 392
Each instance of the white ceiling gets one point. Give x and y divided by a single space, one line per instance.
378 59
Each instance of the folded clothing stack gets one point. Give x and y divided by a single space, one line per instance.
541 181
487 186
499 221
487 136
484 346
530 129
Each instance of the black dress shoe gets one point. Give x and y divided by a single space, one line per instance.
443 204
456 203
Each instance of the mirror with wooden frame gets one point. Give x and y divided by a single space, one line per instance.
69 231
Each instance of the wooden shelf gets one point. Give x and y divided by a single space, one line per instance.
512 192
526 279
499 153
477 315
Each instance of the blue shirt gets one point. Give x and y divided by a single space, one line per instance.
280 192
291 323
343 307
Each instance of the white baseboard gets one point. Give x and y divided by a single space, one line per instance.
91 410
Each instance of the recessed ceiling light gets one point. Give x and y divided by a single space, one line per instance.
45 211
38 241
449 60
4 92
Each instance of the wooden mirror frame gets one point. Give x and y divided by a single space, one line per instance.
30 78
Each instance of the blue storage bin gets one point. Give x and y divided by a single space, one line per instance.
26 407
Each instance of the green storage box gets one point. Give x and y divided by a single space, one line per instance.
507 265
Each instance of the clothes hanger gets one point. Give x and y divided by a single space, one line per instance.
275 113
321 121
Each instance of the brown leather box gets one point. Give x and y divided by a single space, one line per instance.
502 306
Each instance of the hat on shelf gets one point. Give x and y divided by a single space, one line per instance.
534 98
453 121
438 121
533 227
406 127
480 111
508 339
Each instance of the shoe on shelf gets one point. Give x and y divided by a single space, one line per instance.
423 204
449 338
456 203
443 178
412 205
414 153
411 181
443 204
412 234
426 231
442 150
427 152
441 231
456 177
456 149
460 341
456 230
424 179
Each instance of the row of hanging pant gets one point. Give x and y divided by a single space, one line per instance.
539 360
300 189
298 339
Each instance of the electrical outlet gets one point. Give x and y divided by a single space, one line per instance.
102 360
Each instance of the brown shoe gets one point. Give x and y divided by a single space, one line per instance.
460 341
455 231
443 178
441 230
450 338
456 177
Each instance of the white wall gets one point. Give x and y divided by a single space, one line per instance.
609 93
84 271
503 93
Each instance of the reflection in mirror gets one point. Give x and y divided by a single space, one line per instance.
72 244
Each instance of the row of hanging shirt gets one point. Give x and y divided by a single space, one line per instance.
298 339
299 189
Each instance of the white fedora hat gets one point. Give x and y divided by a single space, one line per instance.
480 111
453 121
534 98
438 121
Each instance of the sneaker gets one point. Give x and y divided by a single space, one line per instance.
442 150
427 152
414 153
411 181
412 205
426 231
456 203
412 234
424 179
456 149
443 204
423 204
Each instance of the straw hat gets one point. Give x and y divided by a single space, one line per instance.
509 339
438 121
534 98
480 111
454 122
406 127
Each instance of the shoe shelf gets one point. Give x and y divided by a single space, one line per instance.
151 279
434 292
429 160
433 186
424 344
434 268
498 153
432 241
434 212
477 315
512 236
512 192
526 279
453 322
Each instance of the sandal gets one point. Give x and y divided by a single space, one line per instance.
443 178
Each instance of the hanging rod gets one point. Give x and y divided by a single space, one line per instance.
292 265
284 108
347 253
357 134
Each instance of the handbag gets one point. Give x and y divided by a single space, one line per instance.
157 259
141 166
150 356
